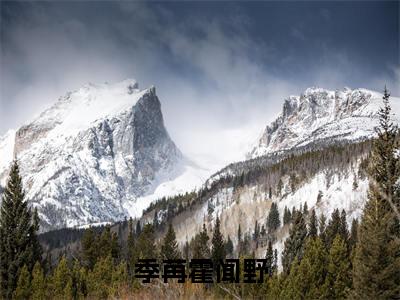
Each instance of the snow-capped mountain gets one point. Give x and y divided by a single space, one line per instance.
320 116
316 151
100 153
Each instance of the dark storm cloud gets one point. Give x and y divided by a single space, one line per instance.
216 66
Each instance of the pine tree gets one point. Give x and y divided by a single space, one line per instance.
333 227
279 187
294 244
322 228
79 281
131 247
305 208
377 261
269 256
18 242
38 284
338 279
273 221
307 276
353 234
218 245
312 226
286 216
89 248
169 248
100 279
343 230
229 247
118 279
200 247
108 244
23 289
138 228
61 280
146 243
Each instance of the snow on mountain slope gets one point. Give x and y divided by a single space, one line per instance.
322 116
100 153
6 153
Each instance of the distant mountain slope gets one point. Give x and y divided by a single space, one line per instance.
97 155
320 116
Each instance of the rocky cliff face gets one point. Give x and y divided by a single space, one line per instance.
320 116
90 156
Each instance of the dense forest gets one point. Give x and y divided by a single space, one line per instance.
322 257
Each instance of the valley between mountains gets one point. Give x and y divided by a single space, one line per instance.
101 154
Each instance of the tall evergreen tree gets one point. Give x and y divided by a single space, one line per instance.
18 242
131 249
273 221
338 279
322 228
169 247
146 243
307 276
23 289
38 284
312 225
353 233
333 227
269 256
279 187
218 245
89 248
229 247
377 261
305 208
294 244
61 280
200 247
343 230
286 216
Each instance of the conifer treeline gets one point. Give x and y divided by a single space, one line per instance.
321 259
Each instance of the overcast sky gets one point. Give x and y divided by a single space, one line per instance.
221 69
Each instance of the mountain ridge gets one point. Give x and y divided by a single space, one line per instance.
93 154
320 114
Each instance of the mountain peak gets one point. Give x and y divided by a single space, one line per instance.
90 156
319 115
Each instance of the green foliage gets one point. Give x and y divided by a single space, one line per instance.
146 243
18 242
217 243
338 280
23 289
287 216
333 227
377 261
169 248
307 276
269 256
100 279
312 225
353 234
273 221
199 244
61 281
89 248
79 281
294 244
38 284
